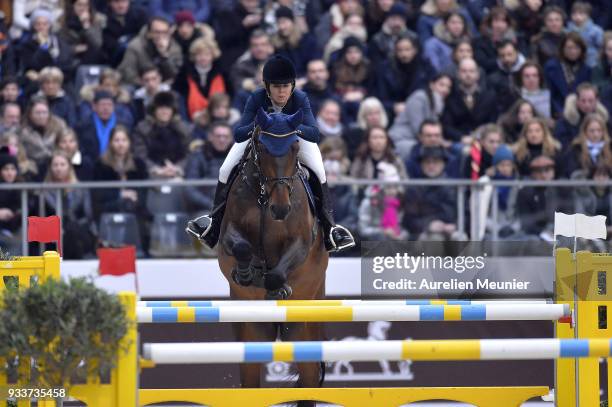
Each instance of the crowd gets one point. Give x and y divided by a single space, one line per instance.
112 90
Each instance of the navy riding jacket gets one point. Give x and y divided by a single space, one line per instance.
259 98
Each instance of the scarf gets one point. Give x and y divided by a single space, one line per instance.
327 130
569 71
103 131
594 149
390 216
476 156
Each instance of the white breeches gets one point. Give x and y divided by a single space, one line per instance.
309 155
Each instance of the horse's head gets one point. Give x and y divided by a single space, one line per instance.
276 147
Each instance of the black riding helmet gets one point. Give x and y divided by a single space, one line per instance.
278 70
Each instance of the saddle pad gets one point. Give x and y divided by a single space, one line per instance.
309 193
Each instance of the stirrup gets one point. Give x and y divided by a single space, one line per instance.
335 247
199 236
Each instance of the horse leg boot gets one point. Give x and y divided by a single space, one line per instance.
337 237
206 228
242 273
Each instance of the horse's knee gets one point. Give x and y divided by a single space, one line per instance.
274 280
242 251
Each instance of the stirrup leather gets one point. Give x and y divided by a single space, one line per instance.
333 242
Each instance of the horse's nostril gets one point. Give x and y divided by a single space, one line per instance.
280 212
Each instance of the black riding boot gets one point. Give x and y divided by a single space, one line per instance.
206 228
337 237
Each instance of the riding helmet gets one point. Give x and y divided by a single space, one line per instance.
279 69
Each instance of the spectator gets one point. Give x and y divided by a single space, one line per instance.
317 84
602 73
69 144
433 11
589 148
376 148
200 77
219 110
431 135
536 206
119 164
530 86
234 27
376 13
430 211
447 33
8 58
565 73
479 162
371 114
51 80
161 140
351 73
462 50
497 28
591 33
546 44
10 91
246 67
188 30
595 200
504 170
528 16
82 29
154 45
335 18
421 105
535 140
401 75
28 170
39 131
42 48
124 20
95 132
514 119
337 165
577 106
380 211
152 84
10 118
77 215
328 120
468 106
22 11
204 163
383 43
290 42
10 202
169 8
502 79
110 82
353 27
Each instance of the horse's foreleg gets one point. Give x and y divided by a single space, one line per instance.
250 373
242 252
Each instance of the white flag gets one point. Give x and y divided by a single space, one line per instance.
579 225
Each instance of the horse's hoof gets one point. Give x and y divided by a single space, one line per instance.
242 277
280 294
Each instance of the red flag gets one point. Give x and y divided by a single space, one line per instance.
45 230
117 261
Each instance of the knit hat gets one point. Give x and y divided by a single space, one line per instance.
184 16
541 161
284 12
502 153
398 9
279 69
41 12
164 99
432 152
102 94
6 158
351 42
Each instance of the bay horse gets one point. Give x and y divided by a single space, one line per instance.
271 245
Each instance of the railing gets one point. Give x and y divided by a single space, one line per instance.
462 185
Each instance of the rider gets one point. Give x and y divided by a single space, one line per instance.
278 95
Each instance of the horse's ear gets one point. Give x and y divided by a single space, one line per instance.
262 119
296 118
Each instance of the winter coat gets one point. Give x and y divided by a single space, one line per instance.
503 82
588 202
459 121
602 74
88 138
62 105
39 147
545 46
232 36
429 17
120 31
592 34
345 78
382 44
371 211
243 70
123 109
366 168
405 129
196 96
426 204
413 165
10 200
485 49
154 143
141 53
317 97
201 30
34 57
534 151
109 199
259 99
438 49
571 161
201 9
568 126
204 163
83 166
536 207
559 88
346 206
305 51
75 34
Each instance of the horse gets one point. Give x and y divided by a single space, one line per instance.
271 245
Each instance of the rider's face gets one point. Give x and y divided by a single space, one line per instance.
280 93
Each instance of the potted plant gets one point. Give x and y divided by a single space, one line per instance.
70 330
